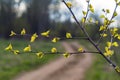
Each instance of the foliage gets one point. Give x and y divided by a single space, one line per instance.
104 32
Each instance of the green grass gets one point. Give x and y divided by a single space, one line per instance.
100 69
11 65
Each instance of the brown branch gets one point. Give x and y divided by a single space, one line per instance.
89 38
84 52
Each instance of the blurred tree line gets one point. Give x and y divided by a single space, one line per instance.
36 18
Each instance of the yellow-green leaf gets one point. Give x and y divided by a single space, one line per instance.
117 69
33 37
46 34
54 50
23 32
12 33
102 16
66 54
56 39
68 35
69 4
84 13
40 54
115 44
9 47
27 49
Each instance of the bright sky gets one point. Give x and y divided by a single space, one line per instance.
103 4
97 4
100 4
82 5
21 8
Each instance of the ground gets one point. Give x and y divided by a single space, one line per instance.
72 68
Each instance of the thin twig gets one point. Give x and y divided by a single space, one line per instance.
107 25
87 12
84 52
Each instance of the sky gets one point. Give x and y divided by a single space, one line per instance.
97 4
101 4
21 8
79 5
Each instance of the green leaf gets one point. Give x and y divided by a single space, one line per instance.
102 16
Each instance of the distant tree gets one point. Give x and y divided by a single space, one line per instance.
7 16
38 15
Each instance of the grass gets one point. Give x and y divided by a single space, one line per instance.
11 65
100 69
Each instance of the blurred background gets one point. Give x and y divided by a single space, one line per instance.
41 15
38 16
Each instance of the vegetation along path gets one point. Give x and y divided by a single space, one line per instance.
72 68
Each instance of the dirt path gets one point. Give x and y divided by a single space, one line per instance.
72 68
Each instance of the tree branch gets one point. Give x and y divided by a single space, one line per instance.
107 25
89 38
